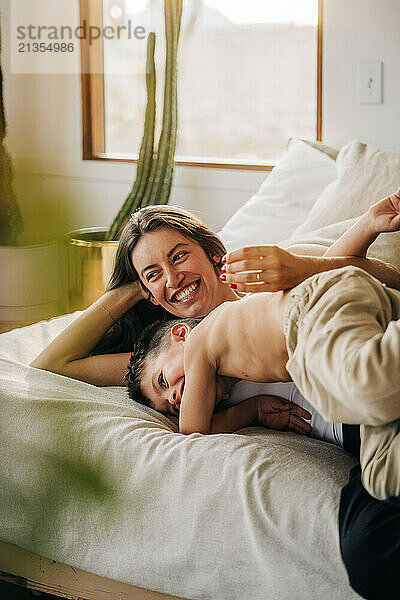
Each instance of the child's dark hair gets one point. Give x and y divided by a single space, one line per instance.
153 340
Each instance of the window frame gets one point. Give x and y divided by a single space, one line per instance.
93 102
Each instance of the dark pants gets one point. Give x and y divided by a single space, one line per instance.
370 540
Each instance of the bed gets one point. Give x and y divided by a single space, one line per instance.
103 498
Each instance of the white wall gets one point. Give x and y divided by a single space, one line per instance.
44 116
354 31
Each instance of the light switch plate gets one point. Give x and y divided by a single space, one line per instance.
370 83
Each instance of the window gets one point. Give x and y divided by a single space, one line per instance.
249 78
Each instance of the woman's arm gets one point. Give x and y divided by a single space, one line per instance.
235 417
317 262
270 268
270 411
384 216
68 353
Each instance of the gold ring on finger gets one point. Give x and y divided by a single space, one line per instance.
258 276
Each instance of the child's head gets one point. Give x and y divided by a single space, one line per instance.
156 374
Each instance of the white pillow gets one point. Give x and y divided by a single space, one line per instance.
284 199
365 175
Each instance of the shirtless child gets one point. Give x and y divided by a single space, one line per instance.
336 335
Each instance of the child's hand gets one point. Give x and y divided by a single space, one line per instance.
385 214
276 413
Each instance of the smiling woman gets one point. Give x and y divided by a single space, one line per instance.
176 258
178 274
167 264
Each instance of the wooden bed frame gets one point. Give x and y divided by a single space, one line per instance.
35 572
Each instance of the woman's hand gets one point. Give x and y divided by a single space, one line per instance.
277 413
264 269
384 216
134 289
139 289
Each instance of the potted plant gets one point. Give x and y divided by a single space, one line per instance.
29 288
91 251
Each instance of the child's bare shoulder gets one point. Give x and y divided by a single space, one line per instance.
205 339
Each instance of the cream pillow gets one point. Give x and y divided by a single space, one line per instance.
365 175
284 199
386 247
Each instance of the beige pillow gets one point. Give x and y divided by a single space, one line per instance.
329 150
386 247
365 175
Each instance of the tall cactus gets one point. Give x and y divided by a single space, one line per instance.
155 168
10 216
146 152
167 179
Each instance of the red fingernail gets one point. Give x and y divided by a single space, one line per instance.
223 269
222 277
233 286
223 259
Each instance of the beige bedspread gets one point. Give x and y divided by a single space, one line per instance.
98 482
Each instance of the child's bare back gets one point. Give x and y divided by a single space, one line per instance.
241 339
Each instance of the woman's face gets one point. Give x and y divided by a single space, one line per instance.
178 274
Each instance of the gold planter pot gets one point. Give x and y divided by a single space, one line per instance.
90 261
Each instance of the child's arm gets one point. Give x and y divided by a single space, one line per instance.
68 353
271 411
198 401
384 216
280 269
